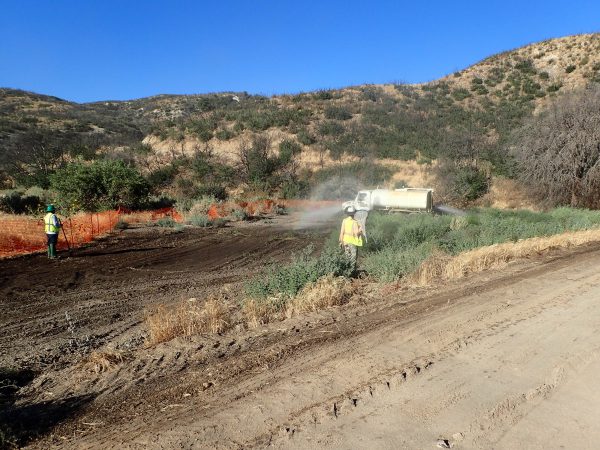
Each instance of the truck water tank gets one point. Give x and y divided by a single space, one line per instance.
407 199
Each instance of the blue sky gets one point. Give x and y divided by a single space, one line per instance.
88 50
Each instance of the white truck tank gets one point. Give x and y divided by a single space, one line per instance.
399 200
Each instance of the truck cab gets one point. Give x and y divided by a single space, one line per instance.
362 202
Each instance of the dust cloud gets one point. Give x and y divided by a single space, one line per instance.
318 216
327 197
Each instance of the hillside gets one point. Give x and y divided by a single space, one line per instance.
472 111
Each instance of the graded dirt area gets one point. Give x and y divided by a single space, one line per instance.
101 291
506 359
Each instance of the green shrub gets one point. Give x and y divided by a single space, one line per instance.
495 76
323 95
217 192
238 215
479 89
370 93
19 202
288 149
288 280
224 135
544 75
294 188
470 183
166 222
199 220
304 137
100 185
570 68
331 128
389 264
200 205
219 222
163 176
397 244
238 127
337 113
203 129
460 94
554 87
184 203
526 66
531 87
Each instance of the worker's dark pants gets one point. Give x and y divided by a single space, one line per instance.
351 252
52 240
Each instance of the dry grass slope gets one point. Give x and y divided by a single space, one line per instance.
440 266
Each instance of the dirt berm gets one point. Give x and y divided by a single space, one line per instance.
507 359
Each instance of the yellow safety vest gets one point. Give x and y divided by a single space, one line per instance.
49 226
349 238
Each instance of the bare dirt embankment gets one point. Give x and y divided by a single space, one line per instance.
500 360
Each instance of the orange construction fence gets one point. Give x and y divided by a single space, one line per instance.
23 234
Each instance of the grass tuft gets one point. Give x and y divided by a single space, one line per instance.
324 293
261 311
102 361
187 318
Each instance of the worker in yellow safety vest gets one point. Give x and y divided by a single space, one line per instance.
51 227
351 235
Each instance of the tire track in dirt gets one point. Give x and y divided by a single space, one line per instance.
490 424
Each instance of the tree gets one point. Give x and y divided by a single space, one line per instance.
558 152
101 185
463 169
258 165
31 157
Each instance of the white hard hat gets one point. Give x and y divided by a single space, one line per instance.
350 210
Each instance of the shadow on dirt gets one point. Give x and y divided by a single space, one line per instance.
19 424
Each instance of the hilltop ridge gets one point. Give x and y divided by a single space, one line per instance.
482 103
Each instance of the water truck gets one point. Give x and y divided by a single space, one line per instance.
406 200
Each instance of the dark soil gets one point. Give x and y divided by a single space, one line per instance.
50 309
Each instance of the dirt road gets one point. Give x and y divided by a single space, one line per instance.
501 360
